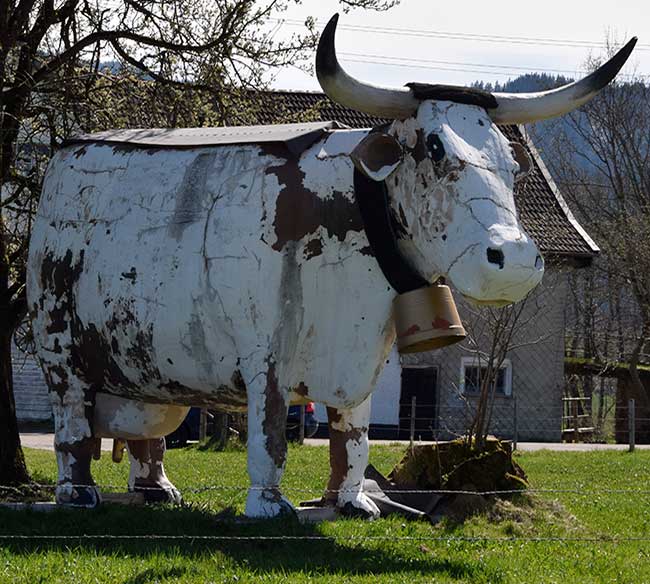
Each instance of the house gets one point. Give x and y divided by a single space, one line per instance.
30 389
444 383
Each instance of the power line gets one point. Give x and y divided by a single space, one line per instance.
461 63
508 68
430 68
503 72
503 39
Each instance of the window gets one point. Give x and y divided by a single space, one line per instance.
472 370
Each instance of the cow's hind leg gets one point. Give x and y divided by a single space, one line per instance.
147 473
267 444
74 444
348 431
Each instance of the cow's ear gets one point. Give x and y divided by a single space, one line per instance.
522 158
377 156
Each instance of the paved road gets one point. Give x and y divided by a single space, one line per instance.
46 442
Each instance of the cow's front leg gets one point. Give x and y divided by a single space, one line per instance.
267 444
348 431
74 444
147 473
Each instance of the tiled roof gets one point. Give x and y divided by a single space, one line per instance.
542 210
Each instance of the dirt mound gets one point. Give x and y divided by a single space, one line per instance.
482 482
454 466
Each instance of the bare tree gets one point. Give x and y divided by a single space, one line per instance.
603 166
494 334
79 65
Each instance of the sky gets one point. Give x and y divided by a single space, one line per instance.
436 41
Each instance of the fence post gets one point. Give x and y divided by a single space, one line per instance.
631 424
576 425
412 434
203 424
515 423
301 430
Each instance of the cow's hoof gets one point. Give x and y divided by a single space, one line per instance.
357 504
86 496
154 494
267 503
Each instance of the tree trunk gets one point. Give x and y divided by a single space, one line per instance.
637 388
13 470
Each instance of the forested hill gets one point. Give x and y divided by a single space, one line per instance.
525 83
555 136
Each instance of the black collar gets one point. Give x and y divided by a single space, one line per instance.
372 198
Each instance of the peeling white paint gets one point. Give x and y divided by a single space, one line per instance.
356 422
193 269
70 423
147 471
463 205
65 492
117 417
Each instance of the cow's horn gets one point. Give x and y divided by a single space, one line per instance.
521 108
384 102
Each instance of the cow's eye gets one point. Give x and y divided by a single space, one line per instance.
437 150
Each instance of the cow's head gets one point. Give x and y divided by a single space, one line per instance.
450 171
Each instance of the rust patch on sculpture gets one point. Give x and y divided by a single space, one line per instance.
420 151
339 463
275 415
313 248
91 358
302 390
90 352
82 452
132 274
81 151
140 355
150 452
58 276
409 331
300 212
61 385
238 381
440 323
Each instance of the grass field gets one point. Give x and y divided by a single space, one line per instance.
433 554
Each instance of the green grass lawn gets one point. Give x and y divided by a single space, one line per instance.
432 554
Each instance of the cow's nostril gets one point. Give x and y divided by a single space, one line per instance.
495 256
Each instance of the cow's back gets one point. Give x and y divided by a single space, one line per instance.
175 266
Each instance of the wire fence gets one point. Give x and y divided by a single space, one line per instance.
289 489
389 534
280 535
333 538
577 421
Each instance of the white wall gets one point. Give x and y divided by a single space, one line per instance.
30 390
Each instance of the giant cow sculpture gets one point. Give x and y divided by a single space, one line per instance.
164 274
